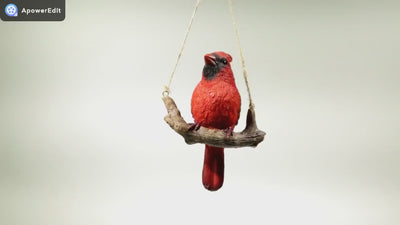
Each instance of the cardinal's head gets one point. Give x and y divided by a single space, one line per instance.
216 63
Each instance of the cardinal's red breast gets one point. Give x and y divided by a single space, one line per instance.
216 103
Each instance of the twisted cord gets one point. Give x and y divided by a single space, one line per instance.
251 105
167 87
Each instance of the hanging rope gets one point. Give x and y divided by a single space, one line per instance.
166 91
251 105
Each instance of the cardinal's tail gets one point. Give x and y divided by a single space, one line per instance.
213 168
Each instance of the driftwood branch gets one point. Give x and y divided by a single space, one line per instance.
251 136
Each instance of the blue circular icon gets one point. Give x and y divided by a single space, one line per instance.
11 10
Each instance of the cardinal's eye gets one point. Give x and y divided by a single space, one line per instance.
224 61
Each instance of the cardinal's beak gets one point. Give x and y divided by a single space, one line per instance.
210 59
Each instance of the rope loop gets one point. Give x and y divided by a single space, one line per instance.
165 93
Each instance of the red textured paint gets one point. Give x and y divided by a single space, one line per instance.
216 104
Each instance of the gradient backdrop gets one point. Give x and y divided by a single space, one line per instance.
82 136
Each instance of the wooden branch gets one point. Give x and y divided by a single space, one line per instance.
251 136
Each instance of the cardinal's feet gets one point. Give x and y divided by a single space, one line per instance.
229 131
194 126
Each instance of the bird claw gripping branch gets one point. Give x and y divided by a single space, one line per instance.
194 126
229 131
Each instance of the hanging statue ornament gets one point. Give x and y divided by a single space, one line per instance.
215 107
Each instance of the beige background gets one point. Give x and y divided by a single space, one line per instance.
82 136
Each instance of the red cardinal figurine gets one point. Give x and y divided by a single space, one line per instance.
215 104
